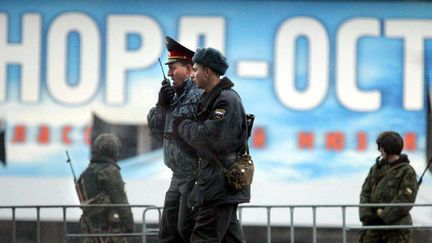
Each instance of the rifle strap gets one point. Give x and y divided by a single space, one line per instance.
225 171
216 159
386 172
245 151
424 172
392 168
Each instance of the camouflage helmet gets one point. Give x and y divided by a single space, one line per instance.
391 142
107 144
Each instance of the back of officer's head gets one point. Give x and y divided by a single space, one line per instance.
391 142
107 144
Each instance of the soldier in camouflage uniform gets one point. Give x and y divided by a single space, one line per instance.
102 183
178 100
219 131
391 180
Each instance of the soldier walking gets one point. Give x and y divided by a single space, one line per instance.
177 100
218 133
390 180
102 183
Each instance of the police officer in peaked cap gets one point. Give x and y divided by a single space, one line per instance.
177 100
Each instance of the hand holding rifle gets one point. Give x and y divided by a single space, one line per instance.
82 198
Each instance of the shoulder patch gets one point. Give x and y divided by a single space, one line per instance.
219 114
408 191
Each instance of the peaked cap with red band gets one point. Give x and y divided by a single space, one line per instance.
177 52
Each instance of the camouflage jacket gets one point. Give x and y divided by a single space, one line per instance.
102 183
390 183
220 130
180 159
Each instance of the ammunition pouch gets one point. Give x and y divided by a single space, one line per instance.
102 214
96 212
113 217
240 174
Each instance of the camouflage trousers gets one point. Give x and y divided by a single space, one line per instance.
98 230
106 240
384 236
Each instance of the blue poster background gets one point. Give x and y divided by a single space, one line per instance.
250 34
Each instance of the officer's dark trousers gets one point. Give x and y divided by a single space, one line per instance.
386 236
177 219
217 224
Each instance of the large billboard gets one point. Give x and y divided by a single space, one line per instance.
323 79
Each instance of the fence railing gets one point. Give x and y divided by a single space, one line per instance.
152 231
343 208
64 208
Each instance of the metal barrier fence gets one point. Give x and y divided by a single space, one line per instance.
64 208
147 231
150 231
345 227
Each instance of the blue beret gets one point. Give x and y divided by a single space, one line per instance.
212 59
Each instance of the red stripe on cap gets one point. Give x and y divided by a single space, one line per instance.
179 55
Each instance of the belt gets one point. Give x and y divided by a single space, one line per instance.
224 158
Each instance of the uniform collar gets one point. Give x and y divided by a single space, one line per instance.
187 85
209 98
96 158
403 158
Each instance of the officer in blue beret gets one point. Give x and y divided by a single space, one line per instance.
177 100
218 133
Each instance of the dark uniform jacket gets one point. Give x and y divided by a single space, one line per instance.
180 159
390 183
103 184
220 130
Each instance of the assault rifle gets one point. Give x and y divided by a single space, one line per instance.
82 199
77 188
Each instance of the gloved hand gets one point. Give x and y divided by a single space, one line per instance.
372 220
166 95
178 140
176 124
